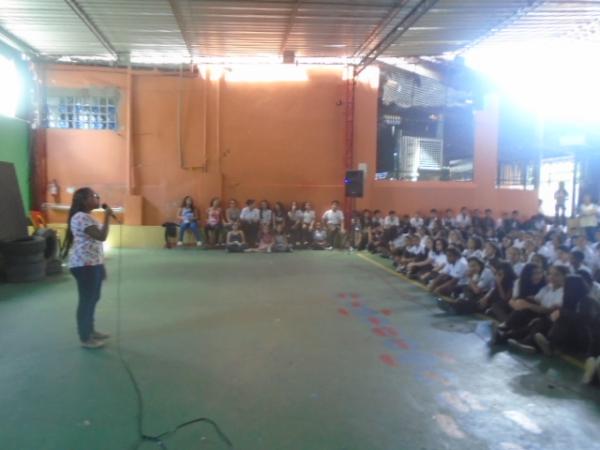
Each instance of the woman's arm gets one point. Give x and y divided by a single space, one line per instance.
180 213
100 234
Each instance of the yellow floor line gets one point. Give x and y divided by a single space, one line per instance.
567 358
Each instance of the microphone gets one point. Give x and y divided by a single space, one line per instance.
105 207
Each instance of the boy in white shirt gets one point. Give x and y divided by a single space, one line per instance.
463 220
453 274
334 222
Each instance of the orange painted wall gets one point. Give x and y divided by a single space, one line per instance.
280 141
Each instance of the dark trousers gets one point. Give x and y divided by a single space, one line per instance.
89 284
251 233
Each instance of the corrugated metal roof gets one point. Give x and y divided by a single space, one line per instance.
313 28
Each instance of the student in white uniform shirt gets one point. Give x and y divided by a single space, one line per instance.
453 275
417 221
547 300
463 219
513 256
449 220
480 280
334 222
589 253
577 262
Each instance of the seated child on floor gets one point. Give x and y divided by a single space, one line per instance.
319 237
236 241
280 240
265 239
453 275
480 280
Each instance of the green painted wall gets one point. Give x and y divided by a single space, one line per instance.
14 148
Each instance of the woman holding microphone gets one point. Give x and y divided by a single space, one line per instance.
84 241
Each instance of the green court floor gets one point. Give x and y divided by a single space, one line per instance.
301 351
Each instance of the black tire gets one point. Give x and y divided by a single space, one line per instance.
24 260
26 273
54 267
52 245
25 246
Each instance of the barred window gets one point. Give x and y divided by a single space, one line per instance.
82 109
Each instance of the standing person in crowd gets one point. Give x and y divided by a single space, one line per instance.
588 217
214 225
560 207
333 219
308 223
235 241
391 223
250 217
86 262
188 220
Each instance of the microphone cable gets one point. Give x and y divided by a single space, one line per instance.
158 439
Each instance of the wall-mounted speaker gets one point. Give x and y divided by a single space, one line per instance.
354 183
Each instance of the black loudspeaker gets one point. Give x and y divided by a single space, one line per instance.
354 183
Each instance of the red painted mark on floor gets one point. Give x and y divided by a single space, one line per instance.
378 332
400 344
344 312
386 312
389 331
374 320
356 304
388 360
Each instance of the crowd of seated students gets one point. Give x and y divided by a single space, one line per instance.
261 228
538 283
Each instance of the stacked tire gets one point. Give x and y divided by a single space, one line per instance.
24 259
51 251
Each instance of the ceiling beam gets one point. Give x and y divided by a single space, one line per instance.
418 11
289 26
179 19
16 43
504 23
387 19
89 23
